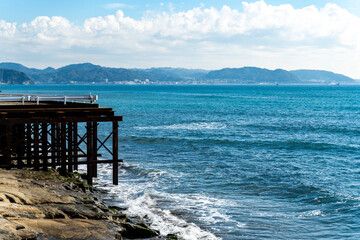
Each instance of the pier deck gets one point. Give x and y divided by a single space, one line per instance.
47 132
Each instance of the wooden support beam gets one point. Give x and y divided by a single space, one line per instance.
36 147
89 152
58 143
19 143
76 146
70 146
53 145
44 145
34 119
28 144
94 148
78 155
81 162
53 110
63 151
115 153
7 153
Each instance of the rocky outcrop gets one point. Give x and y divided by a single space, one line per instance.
44 205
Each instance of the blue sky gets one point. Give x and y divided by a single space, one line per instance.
79 10
194 34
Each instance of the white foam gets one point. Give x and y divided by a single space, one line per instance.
214 216
140 198
209 209
164 221
187 126
312 213
157 174
241 225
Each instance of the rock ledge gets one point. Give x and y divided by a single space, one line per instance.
44 205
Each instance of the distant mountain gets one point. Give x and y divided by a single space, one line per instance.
8 76
179 72
253 75
320 76
80 66
90 73
21 68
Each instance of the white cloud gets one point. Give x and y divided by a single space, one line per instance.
7 29
260 35
117 5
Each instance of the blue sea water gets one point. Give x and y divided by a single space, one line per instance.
235 162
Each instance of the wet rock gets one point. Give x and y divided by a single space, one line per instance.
69 229
26 234
117 208
172 237
134 231
120 216
44 205
12 230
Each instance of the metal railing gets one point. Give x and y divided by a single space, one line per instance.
40 98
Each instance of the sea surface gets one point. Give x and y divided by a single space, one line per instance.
234 162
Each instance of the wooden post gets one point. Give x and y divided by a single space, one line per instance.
36 147
89 152
20 146
28 144
53 145
94 147
70 146
7 153
44 145
115 153
63 148
58 143
75 129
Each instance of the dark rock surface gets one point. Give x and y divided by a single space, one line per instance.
44 205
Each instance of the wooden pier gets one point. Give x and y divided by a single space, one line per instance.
49 133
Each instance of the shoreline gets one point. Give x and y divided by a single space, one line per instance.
45 205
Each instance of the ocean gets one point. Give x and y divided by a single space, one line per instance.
234 162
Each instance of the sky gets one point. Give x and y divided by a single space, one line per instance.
297 34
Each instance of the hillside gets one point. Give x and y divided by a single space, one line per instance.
8 76
89 73
85 73
179 72
320 76
253 75
21 68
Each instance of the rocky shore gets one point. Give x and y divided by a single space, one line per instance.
45 205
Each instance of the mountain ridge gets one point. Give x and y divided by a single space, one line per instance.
89 73
251 75
321 76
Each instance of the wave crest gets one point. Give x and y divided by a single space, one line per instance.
187 126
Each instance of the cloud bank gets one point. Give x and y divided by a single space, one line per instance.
260 35
117 5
